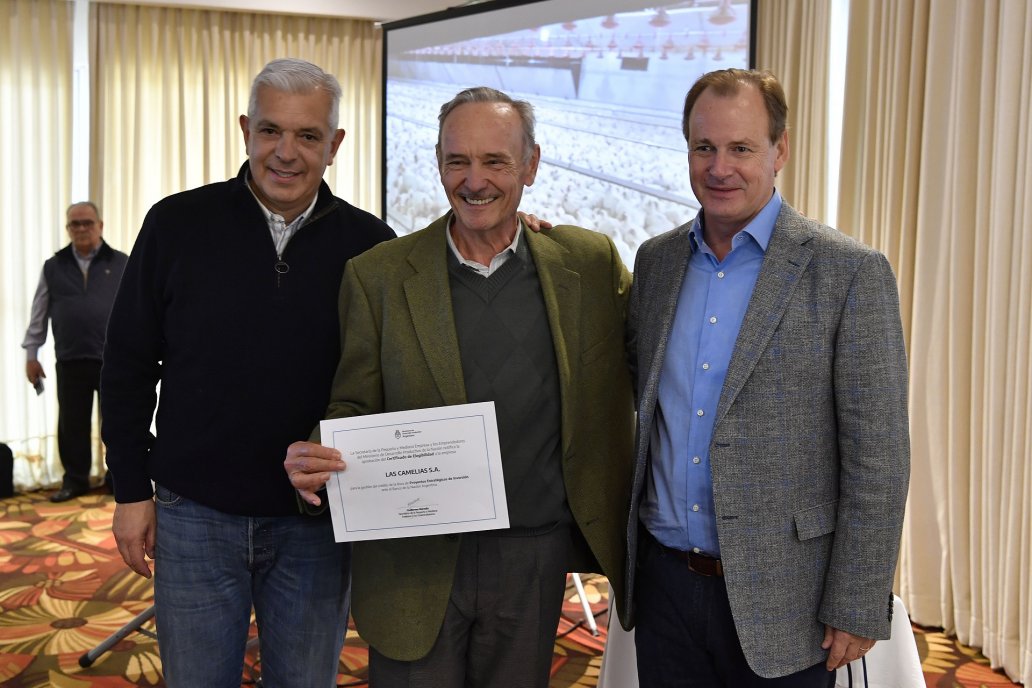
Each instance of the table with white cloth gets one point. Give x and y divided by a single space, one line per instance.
890 663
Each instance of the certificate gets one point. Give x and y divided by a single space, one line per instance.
421 472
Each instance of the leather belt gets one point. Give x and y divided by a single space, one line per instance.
702 564
697 563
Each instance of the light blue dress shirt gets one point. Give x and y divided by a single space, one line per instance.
678 505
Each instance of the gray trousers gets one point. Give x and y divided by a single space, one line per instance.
500 626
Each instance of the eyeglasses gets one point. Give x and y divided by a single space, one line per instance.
75 224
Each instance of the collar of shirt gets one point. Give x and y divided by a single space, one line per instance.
678 507
759 228
84 261
278 227
496 262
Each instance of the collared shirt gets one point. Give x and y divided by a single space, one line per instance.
678 508
281 231
84 261
496 262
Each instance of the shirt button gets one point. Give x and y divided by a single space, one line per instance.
700 413
696 550
696 459
713 320
695 507
705 366
720 274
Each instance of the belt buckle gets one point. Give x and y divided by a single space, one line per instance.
715 571
691 567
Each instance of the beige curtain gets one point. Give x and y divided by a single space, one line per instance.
793 42
881 151
35 169
169 85
937 172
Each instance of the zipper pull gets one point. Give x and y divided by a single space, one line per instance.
281 268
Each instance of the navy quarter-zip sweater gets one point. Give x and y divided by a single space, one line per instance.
244 349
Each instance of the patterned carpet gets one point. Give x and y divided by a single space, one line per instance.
64 590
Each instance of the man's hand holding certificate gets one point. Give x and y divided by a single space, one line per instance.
419 472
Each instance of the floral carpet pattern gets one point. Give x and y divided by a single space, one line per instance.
64 590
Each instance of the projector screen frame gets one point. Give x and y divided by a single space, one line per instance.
491 11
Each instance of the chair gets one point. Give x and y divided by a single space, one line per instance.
137 625
891 663
619 664
589 617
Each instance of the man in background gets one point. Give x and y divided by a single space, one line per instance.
773 451
76 289
475 308
229 301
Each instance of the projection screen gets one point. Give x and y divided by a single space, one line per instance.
607 79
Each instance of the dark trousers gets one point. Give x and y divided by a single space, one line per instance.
77 384
685 635
500 626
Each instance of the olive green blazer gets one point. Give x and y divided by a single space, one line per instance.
400 351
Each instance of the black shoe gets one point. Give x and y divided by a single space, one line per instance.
66 493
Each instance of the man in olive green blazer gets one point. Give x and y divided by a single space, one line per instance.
403 345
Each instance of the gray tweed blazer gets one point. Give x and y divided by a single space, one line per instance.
810 452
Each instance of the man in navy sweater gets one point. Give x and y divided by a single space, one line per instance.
76 289
229 302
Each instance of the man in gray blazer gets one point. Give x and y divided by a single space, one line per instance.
772 457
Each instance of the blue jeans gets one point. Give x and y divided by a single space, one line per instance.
210 568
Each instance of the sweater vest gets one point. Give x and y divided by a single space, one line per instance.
507 356
80 305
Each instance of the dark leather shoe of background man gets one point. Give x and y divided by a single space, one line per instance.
66 493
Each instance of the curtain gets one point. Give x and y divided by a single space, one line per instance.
881 156
169 85
35 166
793 43
937 172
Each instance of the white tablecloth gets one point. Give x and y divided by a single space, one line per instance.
890 664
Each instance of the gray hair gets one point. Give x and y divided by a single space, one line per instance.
485 94
291 75
88 204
